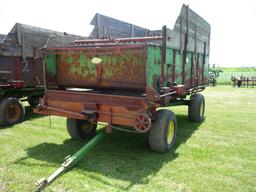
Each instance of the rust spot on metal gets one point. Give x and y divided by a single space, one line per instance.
126 69
152 94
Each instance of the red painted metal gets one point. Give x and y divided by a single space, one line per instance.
204 56
92 49
45 107
16 84
142 123
12 69
179 89
125 70
110 105
174 65
114 109
197 69
183 67
163 54
99 98
118 40
192 71
17 68
99 72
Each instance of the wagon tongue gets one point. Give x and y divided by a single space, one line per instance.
69 162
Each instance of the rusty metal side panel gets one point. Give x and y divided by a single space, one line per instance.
29 70
117 109
130 102
120 67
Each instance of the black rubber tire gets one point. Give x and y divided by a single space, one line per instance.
158 134
33 101
81 129
11 111
196 108
239 83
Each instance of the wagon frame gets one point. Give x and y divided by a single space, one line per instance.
122 81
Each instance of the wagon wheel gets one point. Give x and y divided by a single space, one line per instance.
142 123
11 111
196 108
163 132
81 129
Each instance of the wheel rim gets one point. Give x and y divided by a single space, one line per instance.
13 113
87 127
202 110
170 132
142 123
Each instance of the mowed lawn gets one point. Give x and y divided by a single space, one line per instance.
218 154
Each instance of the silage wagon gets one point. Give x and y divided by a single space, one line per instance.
122 81
21 69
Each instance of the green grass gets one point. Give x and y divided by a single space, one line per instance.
225 76
239 69
216 155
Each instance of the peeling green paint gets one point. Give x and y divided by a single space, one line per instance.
50 63
69 59
129 67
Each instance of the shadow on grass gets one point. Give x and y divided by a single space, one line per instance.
29 115
121 155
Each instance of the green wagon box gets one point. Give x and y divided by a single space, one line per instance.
122 78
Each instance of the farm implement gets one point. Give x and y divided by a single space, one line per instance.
213 75
121 74
243 81
69 162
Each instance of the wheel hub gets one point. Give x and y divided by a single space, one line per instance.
13 112
202 110
170 132
87 127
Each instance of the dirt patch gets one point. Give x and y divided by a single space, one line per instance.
2 186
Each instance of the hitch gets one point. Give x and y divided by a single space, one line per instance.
69 162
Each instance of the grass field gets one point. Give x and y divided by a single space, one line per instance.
216 155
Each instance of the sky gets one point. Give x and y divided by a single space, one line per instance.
233 22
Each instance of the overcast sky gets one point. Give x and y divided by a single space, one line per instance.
233 23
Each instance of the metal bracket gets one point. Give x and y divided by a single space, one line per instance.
91 115
109 128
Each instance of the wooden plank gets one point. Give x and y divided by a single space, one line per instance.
2 37
23 39
114 28
197 27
